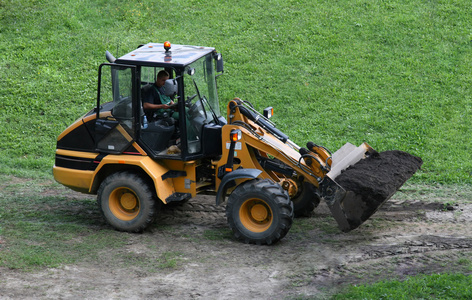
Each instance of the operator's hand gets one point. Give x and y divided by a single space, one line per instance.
167 106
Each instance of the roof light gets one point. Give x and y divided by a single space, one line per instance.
167 46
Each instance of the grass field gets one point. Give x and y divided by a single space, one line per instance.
395 74
418 287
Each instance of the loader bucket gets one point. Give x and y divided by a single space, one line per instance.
361 180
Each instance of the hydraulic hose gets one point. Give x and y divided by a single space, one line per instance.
262 122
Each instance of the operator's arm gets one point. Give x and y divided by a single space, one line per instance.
147 105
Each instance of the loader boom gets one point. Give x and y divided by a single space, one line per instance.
315 164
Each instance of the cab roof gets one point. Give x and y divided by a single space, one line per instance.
154 54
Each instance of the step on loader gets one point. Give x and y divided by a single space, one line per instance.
136 160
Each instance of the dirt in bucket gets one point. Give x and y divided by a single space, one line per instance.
379 176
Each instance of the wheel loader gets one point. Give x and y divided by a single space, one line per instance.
135 164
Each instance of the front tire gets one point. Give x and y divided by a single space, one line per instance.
127 202
259 212
306 201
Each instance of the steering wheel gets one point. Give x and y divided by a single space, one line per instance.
193 109
189 100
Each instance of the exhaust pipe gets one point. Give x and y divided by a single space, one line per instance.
110 57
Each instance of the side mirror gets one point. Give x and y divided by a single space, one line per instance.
219 62
170 87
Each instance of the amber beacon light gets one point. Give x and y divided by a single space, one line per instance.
167 45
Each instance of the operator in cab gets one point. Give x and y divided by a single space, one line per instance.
156 104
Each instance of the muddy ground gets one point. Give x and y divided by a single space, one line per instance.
421 230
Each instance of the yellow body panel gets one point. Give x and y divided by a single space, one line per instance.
76 180
184 184
83 181
81 154
164 188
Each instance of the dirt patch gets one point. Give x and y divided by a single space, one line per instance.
413 233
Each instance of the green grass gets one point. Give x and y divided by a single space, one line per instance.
219 234
168 260
439 286
395 74
50 230
42 230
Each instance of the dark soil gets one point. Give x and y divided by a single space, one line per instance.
379 175
375 179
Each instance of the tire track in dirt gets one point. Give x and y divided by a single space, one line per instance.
391 253
425 230
197 213
420 238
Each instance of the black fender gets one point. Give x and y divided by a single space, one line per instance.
230 177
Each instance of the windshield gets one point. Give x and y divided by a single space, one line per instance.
201 99
204 79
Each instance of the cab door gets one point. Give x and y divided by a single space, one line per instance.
117 116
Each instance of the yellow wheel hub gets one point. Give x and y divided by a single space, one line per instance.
124 204
259 212
255 215
128 201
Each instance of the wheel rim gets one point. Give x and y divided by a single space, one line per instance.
255 215
124 204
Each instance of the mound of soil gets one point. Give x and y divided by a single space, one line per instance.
379 175
375 179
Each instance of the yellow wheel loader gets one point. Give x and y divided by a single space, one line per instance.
137 160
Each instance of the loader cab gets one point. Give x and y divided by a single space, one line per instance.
192 86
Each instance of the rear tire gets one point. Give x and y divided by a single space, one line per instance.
306 201
127 202
259 212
